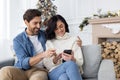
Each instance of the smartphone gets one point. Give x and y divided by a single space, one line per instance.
67 51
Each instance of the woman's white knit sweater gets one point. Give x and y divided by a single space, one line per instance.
60 44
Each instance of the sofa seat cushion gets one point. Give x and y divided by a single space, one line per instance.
7 62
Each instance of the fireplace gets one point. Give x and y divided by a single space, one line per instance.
106 32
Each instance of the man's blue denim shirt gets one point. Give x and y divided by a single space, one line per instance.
24 49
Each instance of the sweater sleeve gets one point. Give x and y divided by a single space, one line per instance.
48 62
77 53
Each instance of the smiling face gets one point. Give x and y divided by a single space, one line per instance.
60 29
33 26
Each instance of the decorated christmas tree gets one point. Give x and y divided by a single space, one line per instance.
47 8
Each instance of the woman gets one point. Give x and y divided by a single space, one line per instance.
59 39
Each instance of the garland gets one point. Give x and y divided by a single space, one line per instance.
99 15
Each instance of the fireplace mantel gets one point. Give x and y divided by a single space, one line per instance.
105 20
99 30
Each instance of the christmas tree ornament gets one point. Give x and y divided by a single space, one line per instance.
47 8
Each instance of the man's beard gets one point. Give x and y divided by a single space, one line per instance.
36 31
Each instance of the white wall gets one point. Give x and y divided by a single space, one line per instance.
73 11
17 9
1 19
11 23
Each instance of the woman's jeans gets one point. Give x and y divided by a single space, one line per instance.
66 71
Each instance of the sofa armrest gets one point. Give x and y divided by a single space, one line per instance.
8 62
106 70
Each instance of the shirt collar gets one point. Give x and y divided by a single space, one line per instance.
66 35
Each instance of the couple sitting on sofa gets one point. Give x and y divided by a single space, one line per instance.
34 53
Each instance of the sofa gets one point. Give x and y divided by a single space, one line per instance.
94 67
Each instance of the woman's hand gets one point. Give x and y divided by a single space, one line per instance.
68 57
56 58
79 41
49 53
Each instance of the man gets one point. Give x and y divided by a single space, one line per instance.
29 47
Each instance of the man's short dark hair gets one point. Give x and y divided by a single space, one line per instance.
30 14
